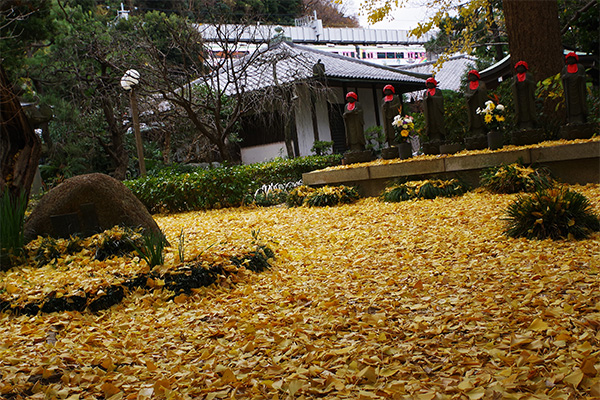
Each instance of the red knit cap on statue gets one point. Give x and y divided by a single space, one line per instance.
474 72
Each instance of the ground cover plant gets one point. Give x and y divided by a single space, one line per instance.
426 299
515 178
325 196
404 190
551 213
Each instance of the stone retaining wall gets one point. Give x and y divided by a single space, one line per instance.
570 163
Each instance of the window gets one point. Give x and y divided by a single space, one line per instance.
399 55
390 55
380 55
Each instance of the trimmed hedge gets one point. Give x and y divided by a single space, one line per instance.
227 186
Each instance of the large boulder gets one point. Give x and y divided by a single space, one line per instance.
87 204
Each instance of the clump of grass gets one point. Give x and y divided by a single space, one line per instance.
551 213
331 196
427 189
516 178
12 215
152 248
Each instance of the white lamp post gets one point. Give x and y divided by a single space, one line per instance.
128 82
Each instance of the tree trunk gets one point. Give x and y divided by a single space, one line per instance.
117 152
19 145
534 35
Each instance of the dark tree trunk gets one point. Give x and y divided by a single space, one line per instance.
534 35
116 150
19 146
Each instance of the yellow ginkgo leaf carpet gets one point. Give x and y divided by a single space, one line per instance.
421 299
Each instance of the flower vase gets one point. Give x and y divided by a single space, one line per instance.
495 140
405 150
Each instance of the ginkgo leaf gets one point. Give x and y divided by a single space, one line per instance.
574 378
538 325
295 385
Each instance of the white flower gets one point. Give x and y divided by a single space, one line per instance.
500 107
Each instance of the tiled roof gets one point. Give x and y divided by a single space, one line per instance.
287 62
449 75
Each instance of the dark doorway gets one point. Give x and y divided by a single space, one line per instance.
336 126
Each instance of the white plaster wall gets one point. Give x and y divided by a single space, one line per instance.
266 152
304 127
322 110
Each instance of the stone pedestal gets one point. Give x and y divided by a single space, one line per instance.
353 157
478 142
431 147
389 153
578 131
451 148
528 136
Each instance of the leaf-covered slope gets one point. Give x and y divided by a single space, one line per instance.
421 299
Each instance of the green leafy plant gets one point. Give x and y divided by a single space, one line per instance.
49 249
375 139
427 189
12 215
515 178
117 241
455 116
152 248
551 213
321 147
298 195
181 246
273 194
331 196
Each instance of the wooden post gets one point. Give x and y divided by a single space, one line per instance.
136 129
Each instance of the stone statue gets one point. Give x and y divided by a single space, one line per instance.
573 80
523 88
390 108
319 69
476 96
433 108
354 123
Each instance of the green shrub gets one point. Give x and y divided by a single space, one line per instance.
427 189
282 170
515 178
12 215
321 148
331 196
170 191
551 213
